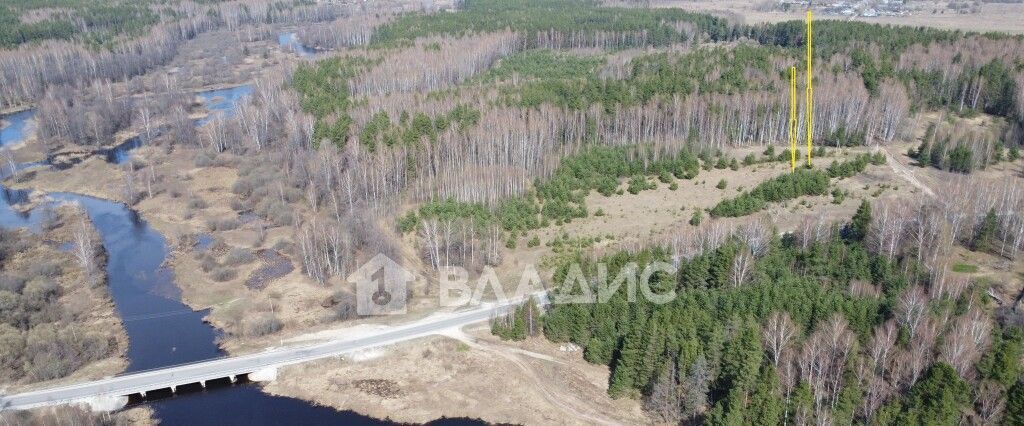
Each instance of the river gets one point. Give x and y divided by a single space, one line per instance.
290 41
162 330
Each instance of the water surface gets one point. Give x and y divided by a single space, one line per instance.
16 126
290 41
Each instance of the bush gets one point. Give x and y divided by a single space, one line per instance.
226 224
205 159
697 218
207 262
838 196
44 268
224 274
722 184
11 282
196 203
960 159
408 223
282 217
674 186
534 242
39 292
261 324
749 160
239 256
639 183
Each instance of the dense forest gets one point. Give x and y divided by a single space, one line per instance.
769 330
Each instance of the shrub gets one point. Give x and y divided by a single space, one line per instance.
408 223
205 159
207 262
838 196
39 291
534 242
960 159
639 183
261 324
224 274
697 218
11 282
226 224
196 203
749 160
674 186
282 217
239 256
44 268
722 184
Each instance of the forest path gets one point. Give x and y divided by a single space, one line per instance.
905 172
558 396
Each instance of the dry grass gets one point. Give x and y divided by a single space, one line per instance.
483 378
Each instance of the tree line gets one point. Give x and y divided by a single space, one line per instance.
769 330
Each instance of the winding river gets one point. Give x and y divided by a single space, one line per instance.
162 330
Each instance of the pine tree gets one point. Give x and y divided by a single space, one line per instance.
1002 362
924 154
938 399
986 231
766 406
631 356
861 222
1015 405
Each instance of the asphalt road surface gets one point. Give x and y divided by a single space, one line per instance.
225 367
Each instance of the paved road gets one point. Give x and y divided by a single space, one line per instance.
225 367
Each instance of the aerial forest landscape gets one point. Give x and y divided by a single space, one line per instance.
526 212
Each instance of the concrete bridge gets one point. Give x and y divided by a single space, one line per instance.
112 393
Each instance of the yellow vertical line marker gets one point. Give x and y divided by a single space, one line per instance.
793 118
810 90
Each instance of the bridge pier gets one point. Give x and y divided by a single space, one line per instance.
142 394
174 389
202 383
233 378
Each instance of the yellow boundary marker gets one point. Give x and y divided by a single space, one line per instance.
810 90
792 118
